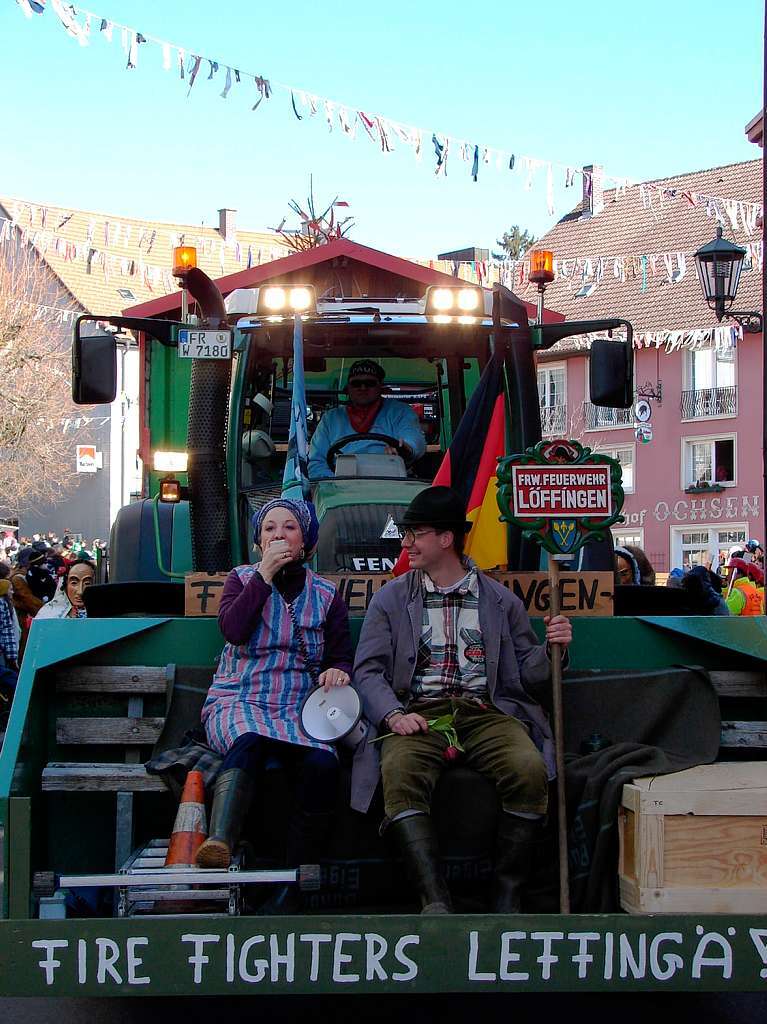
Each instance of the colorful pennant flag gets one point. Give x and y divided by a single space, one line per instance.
295 479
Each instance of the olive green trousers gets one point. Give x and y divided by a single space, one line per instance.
495 744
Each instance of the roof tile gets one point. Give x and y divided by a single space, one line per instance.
139 251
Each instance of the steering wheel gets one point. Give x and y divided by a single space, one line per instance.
393 442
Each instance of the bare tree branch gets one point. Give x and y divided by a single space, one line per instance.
37 416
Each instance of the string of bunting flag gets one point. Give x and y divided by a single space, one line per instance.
580 270
722 338
385 132
42 226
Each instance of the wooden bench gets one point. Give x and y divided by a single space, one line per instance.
128 729
741 733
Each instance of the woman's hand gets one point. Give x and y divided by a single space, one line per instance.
334 677
275 557
558 630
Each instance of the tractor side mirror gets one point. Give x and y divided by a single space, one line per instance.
611 373
94 368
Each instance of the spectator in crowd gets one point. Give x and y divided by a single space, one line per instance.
9 629
704 591
632 567
67 552
68 602
10 545
25 600
56 560
40 576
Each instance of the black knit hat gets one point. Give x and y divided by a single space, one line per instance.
440 507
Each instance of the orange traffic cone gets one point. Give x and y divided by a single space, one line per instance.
191 825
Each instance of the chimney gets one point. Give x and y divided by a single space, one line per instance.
226 226
593 191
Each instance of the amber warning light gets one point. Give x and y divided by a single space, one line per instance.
542 266
184 258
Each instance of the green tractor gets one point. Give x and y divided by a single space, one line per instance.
84 906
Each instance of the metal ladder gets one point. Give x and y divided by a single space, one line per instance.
144 887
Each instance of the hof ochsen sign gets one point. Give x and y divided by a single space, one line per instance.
383 954
559 492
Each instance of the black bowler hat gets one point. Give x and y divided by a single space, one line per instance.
440 507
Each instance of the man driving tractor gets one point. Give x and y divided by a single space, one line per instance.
366 413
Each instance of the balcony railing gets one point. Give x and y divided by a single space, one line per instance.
707 402
599 418
553 419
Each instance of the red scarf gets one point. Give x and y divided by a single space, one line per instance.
363 418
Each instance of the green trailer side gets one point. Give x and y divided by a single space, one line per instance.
324 952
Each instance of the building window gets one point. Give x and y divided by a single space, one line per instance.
709 384
126 293
708 460
625 455
705 545
600 418
633 537
552 395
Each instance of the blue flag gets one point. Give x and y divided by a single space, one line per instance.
295 479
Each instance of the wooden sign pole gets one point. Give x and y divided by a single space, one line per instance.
561 495
559 741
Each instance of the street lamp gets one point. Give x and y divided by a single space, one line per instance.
719 264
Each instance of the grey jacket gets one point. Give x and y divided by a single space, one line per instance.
517 667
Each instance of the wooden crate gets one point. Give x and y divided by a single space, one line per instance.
695 841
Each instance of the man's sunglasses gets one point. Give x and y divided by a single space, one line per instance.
360 382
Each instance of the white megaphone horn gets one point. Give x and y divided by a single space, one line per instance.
333 716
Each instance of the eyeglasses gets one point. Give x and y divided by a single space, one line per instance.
626 574
411 536
363 383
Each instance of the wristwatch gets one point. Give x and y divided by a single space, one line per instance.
388 718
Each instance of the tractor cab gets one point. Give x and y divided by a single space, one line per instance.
361 481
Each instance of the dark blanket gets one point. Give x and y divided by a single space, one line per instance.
652 723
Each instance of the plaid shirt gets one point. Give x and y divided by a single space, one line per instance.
8 642
451 651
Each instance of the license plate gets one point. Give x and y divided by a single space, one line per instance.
204 344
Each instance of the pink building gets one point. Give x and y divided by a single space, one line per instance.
695 488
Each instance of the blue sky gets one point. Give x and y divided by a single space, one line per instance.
570 82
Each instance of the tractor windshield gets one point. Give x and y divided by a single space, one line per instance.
427 377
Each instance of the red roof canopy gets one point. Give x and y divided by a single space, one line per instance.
289 266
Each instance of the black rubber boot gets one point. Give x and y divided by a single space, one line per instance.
417 842
232 797
513 861
306 842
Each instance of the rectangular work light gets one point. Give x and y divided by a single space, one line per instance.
170 462
286 300
459 301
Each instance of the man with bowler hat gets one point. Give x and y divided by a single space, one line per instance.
446 639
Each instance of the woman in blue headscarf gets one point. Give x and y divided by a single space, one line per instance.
287 630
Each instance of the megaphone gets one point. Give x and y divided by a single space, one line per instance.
333 716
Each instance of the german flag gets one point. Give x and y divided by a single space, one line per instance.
469 467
